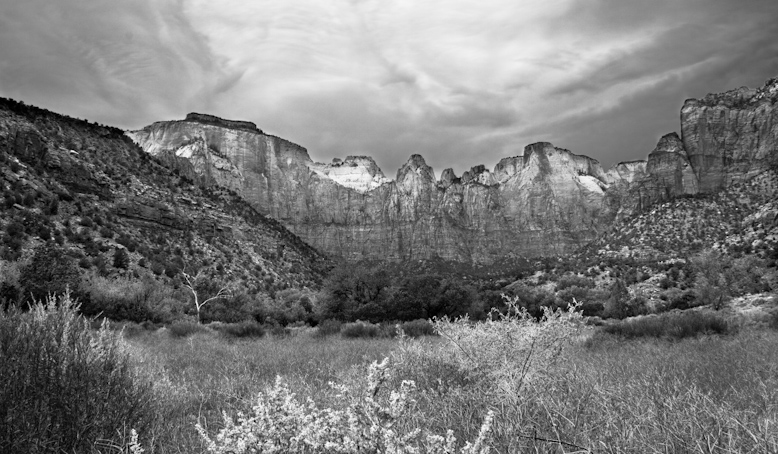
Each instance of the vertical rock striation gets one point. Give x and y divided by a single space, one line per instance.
731 135
545 201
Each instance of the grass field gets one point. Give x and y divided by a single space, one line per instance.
710 394
200 376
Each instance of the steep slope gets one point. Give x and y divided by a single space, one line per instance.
546 201
741 218
93 191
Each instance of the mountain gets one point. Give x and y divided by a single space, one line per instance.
546 201
91 190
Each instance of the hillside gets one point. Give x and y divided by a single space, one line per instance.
741 218
92 194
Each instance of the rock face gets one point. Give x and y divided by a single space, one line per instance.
545 201
360 173
730 135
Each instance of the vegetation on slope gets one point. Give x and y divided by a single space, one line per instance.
81 200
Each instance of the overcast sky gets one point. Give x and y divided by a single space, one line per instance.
462 82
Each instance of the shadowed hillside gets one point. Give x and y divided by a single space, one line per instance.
85 195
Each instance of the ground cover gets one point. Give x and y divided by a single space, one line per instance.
604 393
554 386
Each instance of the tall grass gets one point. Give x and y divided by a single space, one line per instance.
707 394
200 376
697 395
64 387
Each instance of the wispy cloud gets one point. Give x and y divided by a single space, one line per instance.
458 81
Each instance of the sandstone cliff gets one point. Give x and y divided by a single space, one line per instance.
731 135
545 201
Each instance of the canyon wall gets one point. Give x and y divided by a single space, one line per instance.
546 201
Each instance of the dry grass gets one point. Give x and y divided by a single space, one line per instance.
703 395
204 374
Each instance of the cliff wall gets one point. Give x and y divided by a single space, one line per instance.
545 201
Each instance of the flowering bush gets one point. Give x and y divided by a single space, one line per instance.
370 424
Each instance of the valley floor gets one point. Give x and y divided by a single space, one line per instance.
708 394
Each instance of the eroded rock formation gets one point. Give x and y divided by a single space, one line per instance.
545 201
729 136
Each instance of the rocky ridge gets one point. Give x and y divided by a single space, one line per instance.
109 195
546 201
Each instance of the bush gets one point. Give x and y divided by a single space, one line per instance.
123 299
328 328
418 328
511 349
185 328
773 321
673 326
683 300
371 422
360 329
241 329
64 387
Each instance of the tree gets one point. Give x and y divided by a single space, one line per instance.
711 283
50 272
121 259
616 306
356 291
191 282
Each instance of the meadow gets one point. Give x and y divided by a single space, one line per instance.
706 394
556 387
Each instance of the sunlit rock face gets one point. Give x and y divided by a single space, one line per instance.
545 201
360 173
730 135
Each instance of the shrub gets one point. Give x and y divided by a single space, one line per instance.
574 281
674 326
360 329
64 387
241 329
123 299
328 328
773 321
278 330
418 328
510 349
683 300
372 422
106 232
185 328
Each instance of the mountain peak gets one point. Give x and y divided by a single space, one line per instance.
418 166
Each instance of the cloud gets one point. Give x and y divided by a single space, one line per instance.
460 82
117 62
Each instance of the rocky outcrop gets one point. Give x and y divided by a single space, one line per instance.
216 121
545 201
730 136
360 173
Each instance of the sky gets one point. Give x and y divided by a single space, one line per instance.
461 82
